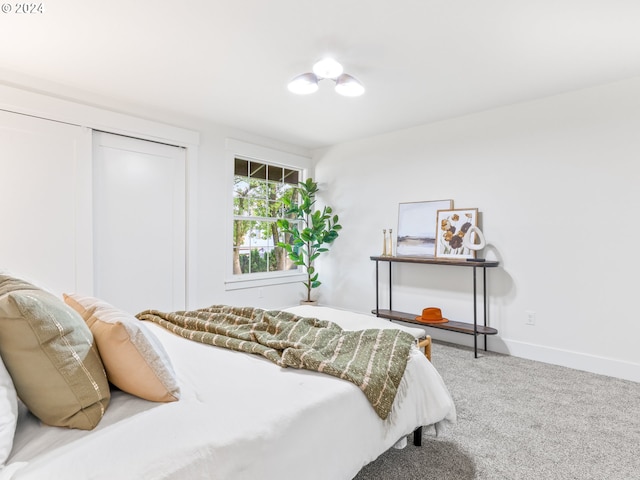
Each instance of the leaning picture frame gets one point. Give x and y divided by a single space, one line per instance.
416 234
451 226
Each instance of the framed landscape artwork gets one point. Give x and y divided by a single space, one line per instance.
452 226
416 227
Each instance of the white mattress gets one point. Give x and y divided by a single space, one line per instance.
240 417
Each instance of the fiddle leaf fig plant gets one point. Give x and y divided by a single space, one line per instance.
310 231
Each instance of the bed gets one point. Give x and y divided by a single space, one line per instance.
238 416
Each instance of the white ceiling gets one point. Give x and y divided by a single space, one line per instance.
229 61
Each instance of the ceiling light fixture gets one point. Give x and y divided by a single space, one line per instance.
348 86
328 69
304 84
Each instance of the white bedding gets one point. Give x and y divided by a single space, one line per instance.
239 417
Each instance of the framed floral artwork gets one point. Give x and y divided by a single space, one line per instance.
416 232
451 228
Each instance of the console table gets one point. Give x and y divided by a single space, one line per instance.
460 327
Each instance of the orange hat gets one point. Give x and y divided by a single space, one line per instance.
432 315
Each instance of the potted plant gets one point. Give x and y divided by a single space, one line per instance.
310 231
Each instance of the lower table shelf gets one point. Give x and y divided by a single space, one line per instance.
460 327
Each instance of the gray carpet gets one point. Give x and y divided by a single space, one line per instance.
519 419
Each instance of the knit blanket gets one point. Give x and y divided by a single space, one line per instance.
374 360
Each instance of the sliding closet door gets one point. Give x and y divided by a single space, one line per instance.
45 196
139 223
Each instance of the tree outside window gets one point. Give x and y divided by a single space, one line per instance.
259 189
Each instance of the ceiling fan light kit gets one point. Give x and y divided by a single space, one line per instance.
326 69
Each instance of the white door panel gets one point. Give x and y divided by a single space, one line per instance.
46 228
139 223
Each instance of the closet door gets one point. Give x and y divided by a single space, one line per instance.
45 182
139 223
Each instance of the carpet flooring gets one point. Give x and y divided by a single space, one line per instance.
520 420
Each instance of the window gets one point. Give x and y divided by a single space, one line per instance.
259 188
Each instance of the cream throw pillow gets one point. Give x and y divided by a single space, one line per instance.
135 360
49 353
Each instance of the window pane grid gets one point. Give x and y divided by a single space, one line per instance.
258 195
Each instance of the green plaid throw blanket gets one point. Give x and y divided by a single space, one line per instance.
374 360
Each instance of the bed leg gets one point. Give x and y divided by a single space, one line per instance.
426 344
417 437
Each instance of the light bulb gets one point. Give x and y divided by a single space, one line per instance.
348 86
328 68
303 84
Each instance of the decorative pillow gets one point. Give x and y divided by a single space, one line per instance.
135 360
8 413
49 353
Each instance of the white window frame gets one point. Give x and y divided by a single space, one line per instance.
249 151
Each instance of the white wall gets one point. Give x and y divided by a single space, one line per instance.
557 184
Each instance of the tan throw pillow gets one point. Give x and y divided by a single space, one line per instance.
135 360
49 353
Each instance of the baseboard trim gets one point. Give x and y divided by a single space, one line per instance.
540 353
579 361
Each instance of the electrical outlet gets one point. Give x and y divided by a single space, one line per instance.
530 317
